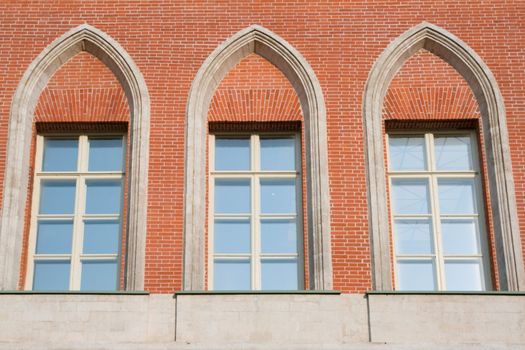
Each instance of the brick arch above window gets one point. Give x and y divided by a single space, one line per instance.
99 44
261 41
501 185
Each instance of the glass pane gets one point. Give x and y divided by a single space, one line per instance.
232 154
101 237
278 154
456 196
51 275
278 236
57 197
459 236
106 155
103 197
99 275
232 196
410 196
416 275
463 275
54 237
278 196
406 153
413 237
60 155
279 275
453 153
232 275
232 236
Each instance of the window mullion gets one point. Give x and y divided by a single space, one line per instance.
255 245
436 225
211 210
78 224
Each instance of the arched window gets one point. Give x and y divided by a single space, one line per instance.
501 186
261 41
107 50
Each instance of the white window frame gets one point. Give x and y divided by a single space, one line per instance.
81 176
255 174
432 175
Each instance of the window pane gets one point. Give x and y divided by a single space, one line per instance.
459 236
54 237
413 237
278 196
60 155
105 155
279 275
101 237
453 153
410 196
99 275
232 275
51 275
232 236
103 197
416 275
57 197
232 196
278 236
232 154
407 153
278 154
456 196
463 275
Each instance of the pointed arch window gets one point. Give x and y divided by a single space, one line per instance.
501 186
268 45
107 50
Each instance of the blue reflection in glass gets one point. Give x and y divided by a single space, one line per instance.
103 197
54 237
232 275
463 275
278 196
460 236
101 237
278 236
278 154
105 155
457 196
232 196
413 236
416 275
60 155
407 153
99 275
232 154
57 197
279 274
51 275
231 236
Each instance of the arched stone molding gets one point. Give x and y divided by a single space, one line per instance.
256 39
501 185
34 80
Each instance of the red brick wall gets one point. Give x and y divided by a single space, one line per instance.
341 40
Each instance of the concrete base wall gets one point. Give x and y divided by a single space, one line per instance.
445 319
309 321
58 319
